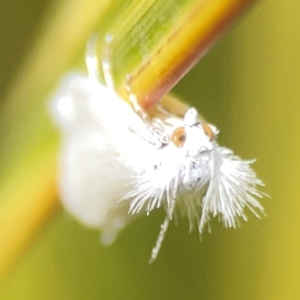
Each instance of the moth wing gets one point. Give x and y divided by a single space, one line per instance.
93 173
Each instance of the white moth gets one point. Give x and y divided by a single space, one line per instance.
117 162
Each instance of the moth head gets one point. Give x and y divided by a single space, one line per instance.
194 137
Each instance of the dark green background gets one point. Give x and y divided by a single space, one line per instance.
248 86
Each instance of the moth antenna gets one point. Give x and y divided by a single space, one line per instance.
160 239
91 58
162 233
106 63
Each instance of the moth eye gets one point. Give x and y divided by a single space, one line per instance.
208 131
178 137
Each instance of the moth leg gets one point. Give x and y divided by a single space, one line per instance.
106 63
154 126
133 100
91 58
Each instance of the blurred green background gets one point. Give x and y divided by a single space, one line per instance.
248 86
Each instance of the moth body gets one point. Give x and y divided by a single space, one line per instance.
117 162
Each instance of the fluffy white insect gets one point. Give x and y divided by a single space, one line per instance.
117 162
